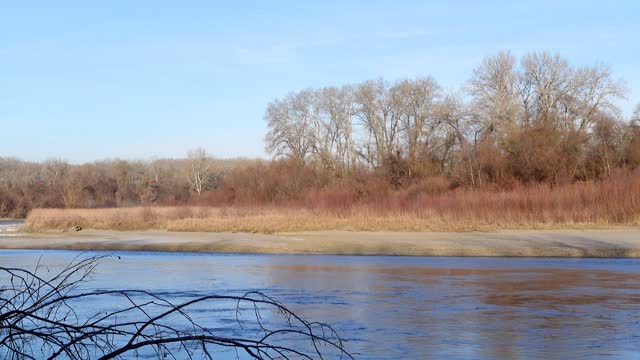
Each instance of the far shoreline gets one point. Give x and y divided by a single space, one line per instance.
609 243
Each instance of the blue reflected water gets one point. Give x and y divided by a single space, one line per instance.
409 307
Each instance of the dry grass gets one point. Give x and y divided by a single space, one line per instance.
581 205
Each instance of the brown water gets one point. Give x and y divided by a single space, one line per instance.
411 307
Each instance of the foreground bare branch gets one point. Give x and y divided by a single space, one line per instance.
47 318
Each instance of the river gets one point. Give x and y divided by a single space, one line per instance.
10 228
411 307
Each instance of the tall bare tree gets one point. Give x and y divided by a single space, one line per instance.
289 123
543 85
199 170
458 130
10 170
596 92
493 87
377 116
414 102
333 132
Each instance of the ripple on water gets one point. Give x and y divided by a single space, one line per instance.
404 307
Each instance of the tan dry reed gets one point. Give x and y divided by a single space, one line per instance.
581 205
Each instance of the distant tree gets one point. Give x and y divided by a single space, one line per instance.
10 171
376 114
607 138
289 122
543 84
56 177
200 169
494 90
595 93
332 132
414 103
631 143
534 154
71 187
458 153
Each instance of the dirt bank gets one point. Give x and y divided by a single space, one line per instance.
543 243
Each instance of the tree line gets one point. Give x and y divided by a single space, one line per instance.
55 183
537 119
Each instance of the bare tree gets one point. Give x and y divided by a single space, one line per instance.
289 122
461 132
200 169
10 169
41 318
54 171
414 102
543 86
71 186
377 116
493 87
65 180
635 117
332 131
596 93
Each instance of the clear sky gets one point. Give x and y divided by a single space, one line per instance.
86 80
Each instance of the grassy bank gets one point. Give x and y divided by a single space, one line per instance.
580 205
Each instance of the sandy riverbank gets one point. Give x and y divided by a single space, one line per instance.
543 243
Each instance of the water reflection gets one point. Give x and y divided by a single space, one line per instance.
420 308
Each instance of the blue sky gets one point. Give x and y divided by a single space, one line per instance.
86 80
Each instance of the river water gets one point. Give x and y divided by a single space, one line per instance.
10 227
411 307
